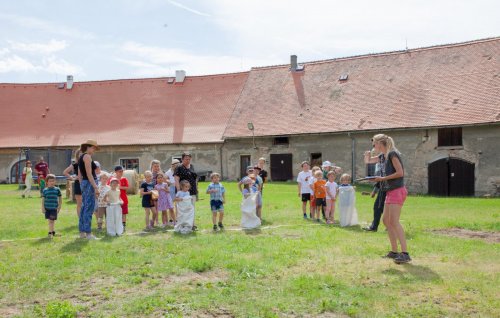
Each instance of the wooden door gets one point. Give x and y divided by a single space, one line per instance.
244 163
461 174
438 177
281 167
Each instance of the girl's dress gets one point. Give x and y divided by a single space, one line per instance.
185 213
164 198
249 218
347 205
114 225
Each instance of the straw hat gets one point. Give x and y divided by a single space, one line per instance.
91 142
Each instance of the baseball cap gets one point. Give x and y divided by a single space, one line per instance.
97 164
249 168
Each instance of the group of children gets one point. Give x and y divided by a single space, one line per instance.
318 187
159 194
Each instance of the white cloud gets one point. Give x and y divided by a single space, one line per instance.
158 61
55 65
39 48
325 29
46 26
16 63
179 5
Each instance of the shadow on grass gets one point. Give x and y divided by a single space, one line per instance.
354 228
75 246
185 236
266 222
252 231
420 272
71 228
43 240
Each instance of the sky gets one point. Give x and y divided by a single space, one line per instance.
43 41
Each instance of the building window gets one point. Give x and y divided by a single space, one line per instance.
316 159
130 164
280 141
449 137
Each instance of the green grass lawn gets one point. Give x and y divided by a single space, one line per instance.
289 268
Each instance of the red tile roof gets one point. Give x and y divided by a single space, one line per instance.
119 112
456 84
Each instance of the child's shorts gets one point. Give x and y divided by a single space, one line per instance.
51 214
125 208
216 205
396 196
320 202
306 197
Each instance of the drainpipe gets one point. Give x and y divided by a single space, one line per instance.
353 156
221 164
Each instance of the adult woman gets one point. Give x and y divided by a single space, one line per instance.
88 185
185 171
73 169
392 181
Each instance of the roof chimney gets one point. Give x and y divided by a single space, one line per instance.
180 76
293 63
69 82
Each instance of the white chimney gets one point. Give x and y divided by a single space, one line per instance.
293 63
69 82
180 76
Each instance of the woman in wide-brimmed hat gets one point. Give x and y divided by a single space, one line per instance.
88 185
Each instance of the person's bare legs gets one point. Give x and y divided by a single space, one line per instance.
387 219
78 198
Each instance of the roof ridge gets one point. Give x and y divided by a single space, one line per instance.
351 57
131 79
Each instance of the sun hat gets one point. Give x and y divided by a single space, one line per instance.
175 161
113 180
326 164
91 142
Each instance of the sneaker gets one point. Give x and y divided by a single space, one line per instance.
310 216
194 228
221 225
215 227
392 255
318 220
91 237
370 229
305 216
402 258
50 235
83 235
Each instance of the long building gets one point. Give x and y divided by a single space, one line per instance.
441 105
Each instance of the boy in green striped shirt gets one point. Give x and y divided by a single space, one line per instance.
51 202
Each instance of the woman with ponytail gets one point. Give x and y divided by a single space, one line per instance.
392 181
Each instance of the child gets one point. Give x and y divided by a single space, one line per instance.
103 188
185 209
123 193
147 199
114 225
164 199
249 218
156 170
319 193
217 199
259 184
28 178
51 202
331 194
303 180
347 202
170 177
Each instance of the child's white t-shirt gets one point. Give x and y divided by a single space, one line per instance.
331 187
182 194
304 178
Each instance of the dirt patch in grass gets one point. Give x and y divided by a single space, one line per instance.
490 237
9 312
192 277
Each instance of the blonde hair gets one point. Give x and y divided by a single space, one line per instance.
315 168
148 173
318 173
214 174
78 152
387 142
331 173
345 176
